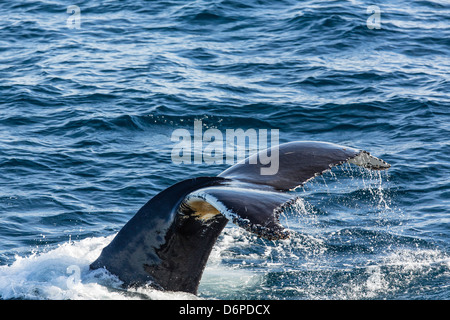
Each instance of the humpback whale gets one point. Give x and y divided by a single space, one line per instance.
167 243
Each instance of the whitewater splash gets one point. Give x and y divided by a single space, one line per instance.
241 266
63 273
351 254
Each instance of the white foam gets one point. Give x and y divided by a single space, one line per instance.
63 273
235 269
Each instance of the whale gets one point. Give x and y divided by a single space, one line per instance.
166 244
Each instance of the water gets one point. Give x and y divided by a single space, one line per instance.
87 115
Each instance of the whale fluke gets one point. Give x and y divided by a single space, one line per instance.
299 162
168 242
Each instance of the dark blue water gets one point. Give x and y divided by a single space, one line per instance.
87 112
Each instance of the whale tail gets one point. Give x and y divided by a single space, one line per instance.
298 162
164 245
168 242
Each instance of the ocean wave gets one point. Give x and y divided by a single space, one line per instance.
87 116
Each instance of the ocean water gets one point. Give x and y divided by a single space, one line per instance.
91 95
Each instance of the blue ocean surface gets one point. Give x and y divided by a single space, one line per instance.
92 91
